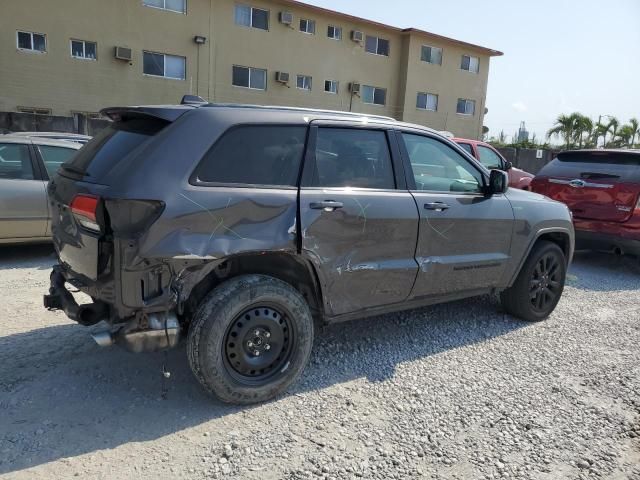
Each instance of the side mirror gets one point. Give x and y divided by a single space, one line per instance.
507 165
498 182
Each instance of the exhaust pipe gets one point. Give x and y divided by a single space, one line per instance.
618 251
157 331
103 339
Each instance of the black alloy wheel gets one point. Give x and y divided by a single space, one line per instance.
546 283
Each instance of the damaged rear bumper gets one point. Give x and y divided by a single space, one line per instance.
143 332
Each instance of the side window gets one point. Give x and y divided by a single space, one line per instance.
439 168
15 162
467 148
255 155
350 157
53 157
489 158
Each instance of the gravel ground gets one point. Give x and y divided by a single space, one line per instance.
452 391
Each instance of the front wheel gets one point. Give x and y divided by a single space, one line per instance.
539 285
250 339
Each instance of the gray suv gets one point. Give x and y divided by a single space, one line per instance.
240 227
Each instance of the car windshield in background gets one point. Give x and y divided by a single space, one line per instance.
616 158
99 156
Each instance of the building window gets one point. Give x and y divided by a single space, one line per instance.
331 86
83 49
308 26
34 42
247 77
431 55
374 95
179 6
427 101
470 64
334 33
34 110
252 17
466 107
377 46
161 65
304 82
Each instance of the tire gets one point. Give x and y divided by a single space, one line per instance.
539 285
255 310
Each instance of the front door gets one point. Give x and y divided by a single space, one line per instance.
465 237
358 228
23 198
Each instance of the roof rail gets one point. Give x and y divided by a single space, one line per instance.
300 109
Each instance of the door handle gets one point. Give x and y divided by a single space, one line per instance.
327 205
437 206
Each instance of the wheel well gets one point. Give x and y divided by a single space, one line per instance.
560 239
295 271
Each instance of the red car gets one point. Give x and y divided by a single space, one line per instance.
491 158
602 189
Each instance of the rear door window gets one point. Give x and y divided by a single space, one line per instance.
255 155
53 157
352 157
467 148
102 153
15 162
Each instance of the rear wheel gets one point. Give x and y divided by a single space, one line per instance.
250 339
539 285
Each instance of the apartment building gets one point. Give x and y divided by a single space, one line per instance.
78 56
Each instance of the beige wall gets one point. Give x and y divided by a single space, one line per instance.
57 81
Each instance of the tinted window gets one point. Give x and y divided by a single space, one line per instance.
104 151
255 155
467 147
15 162
616 158
489 158
53 157
438 167
352 158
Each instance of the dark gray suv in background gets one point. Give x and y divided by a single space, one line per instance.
238 226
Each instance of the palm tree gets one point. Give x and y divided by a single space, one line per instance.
564 128
624 135
583 125
611 127
635 130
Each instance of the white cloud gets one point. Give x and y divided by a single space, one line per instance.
519 106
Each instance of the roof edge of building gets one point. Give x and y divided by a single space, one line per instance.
489 51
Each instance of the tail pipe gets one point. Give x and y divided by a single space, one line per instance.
152 333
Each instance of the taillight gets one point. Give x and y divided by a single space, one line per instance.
84 209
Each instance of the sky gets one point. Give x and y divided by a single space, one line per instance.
560 56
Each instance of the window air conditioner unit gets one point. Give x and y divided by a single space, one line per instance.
282 77
357 36
354 87
286 18
123 53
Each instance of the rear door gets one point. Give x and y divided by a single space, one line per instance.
595 185
359 224
23 204
465 237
